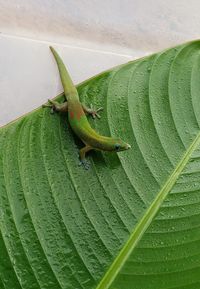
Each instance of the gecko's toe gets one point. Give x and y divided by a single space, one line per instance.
95 113
50 101
85 164
99 109
46 105
52 111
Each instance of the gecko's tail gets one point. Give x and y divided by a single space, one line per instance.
69 87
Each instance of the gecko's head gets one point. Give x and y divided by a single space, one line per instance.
120 145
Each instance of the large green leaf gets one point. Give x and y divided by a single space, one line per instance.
132 221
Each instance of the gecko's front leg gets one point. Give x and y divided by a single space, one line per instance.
82 153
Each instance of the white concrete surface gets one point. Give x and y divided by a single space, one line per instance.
91 36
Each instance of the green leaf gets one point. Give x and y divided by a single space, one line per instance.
132 220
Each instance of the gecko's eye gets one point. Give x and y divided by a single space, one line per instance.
117 147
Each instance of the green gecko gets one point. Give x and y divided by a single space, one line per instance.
78 120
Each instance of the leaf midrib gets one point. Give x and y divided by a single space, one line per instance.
146 220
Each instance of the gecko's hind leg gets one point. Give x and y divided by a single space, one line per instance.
90 110
83 160
56 106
